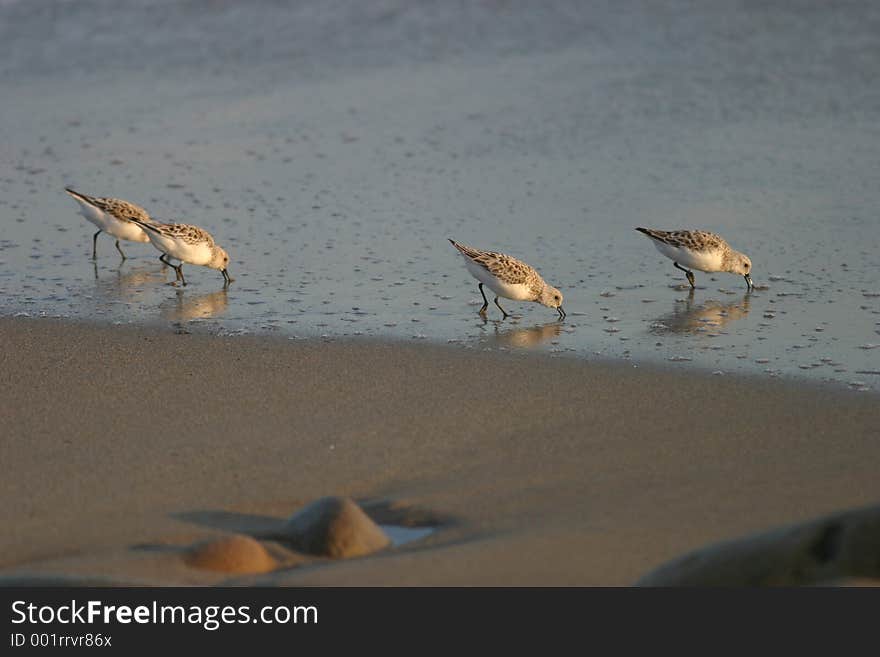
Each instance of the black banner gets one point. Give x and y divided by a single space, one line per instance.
123 619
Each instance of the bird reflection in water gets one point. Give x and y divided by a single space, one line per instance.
706 317
194 306
523 338
128 284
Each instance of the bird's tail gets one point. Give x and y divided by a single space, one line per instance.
466 250
148 225
80 197
653 234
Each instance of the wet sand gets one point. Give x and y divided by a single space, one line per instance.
122 444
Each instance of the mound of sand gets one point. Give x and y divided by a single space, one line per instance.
334 527
230 554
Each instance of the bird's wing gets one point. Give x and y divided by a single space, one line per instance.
694 240
184 232
122 210
502 266
190 234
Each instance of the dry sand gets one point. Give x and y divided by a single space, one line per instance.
123 446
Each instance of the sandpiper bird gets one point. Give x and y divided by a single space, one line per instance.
186 243
700 250
113 216
509 278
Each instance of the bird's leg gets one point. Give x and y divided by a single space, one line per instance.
164 260
95 245
178 271
485 301
120 251
504 312
688 273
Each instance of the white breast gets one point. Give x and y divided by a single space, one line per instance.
124 230
707 261
196 254
516 292
92 213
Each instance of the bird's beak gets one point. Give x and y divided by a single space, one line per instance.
226 277
748 278
561 312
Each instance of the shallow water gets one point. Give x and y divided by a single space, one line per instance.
332 149
402 535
